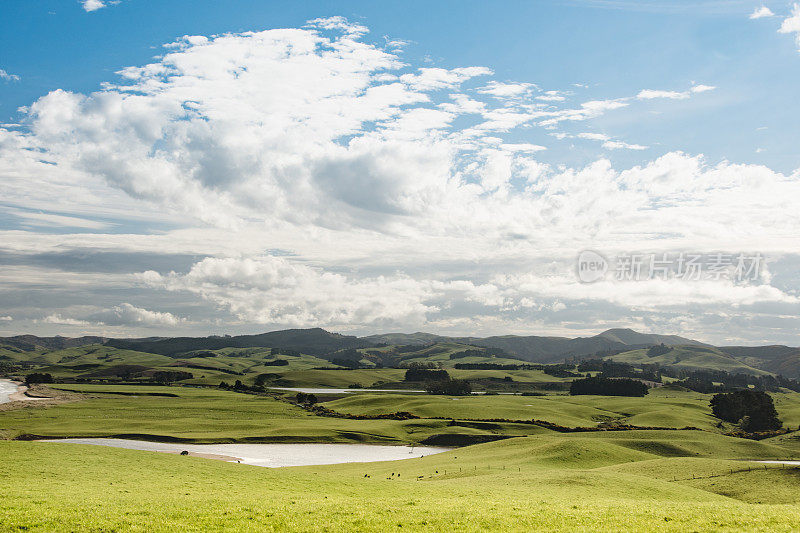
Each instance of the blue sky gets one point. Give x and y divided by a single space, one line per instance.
615 47
439 169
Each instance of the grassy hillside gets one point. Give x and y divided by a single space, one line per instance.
782 360
534 483
209 415
689 357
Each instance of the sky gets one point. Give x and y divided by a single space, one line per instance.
464 168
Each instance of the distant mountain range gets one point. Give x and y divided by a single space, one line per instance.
784 360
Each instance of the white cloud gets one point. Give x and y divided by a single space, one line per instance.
127 314
59 320
702 88
650 94
762 12
339 23
93 5
8 77
273 290
6 318
428 79
614 145
608 142
506 90
53 220
791 24
593 136
395 194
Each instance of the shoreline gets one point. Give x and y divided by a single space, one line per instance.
21 394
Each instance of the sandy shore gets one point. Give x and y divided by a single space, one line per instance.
22 395
25 396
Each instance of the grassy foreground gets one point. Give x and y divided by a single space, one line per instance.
633 481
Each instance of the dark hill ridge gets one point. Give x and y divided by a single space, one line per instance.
29 343
314 341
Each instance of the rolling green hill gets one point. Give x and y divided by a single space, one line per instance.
689 357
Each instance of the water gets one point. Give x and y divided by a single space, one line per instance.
275 455
310 390
7 388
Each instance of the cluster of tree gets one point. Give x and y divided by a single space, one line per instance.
560 371
276 362
659 349
306 399
752 410
608 387
406 348
451 387
285 351
347 363
7 368
471 352
495 366
189 364
419 364
238 386
708 381
170 376
613 369
426 374
201 353
37 377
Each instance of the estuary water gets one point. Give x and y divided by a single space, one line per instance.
7 388
272 455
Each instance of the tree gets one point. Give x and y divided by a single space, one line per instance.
36 377
753 410
608 387
304 398
660 349
426 374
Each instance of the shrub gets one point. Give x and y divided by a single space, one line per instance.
452 387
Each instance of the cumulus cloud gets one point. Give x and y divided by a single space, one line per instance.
273 290
791 24
126 314
761 12
93 5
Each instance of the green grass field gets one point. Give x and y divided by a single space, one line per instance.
535 479
541 482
